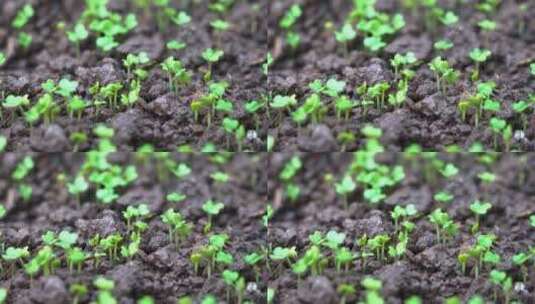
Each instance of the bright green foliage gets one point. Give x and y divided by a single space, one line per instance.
78 186
399 61
212 55
175 45
443 73
487 25
220 25
23 168
178 228
345 187
23 16
443 45
177 74
444 226
211 208
15 254
290 17
2 58
479 209
175 197
78 34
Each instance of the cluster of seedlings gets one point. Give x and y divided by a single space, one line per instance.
84 260
101 31
468 81
482 249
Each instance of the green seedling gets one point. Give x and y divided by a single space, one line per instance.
219 27
343 258
479 56
105 287
345 291
177 74
230 126
523 108
266 65
135 61
229 277
283 254
253 260
345 35
16 102
283 103
211 208
373 288
78 290
175 45
400 61
2 59
479 209
76 105
175 197
78 186
443 73
344 188
402 213
133 213
111 245
291 16
378 244
443 197
501 280
290 169
499 127
22 169
131 249
24 40
178 228
211 56
23 16
443 45
12 255
444 226
75 258
77 35
253 107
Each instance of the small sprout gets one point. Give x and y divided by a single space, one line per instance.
25 40
479 209
449 170
345 291
211 56
2 58
23 16
443 197
444 226
345 187
346 34
443 72
479 56
177 74
291 16
211 208
500 279
135 213
487 25
374 43
220 177
78 34
175 197
400 213
532 220
443 45
399 61
449 18
181 170
78 186
178 228
175 45
497 126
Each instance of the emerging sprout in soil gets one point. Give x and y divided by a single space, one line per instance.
443 72
105 287
499 127
345 35
443 45
177 74
211 208
133 61
479 209
479 56
401 213
373 288
175 197
399 61
211 56
78 34
175 45
287 22
178 228
502 281
135 213
78 186
345 187
2 58
23 16
444 226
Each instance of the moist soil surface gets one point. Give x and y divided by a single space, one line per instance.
428 270
160 117
427 117
159 269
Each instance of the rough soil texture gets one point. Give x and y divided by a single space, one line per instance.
160 117
427 118
159 269
428 270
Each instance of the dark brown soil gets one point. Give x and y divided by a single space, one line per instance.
429 270
160 117
159 269
427 118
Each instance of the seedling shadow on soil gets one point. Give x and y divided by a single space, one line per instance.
401 228
440 74
163 75
132 228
